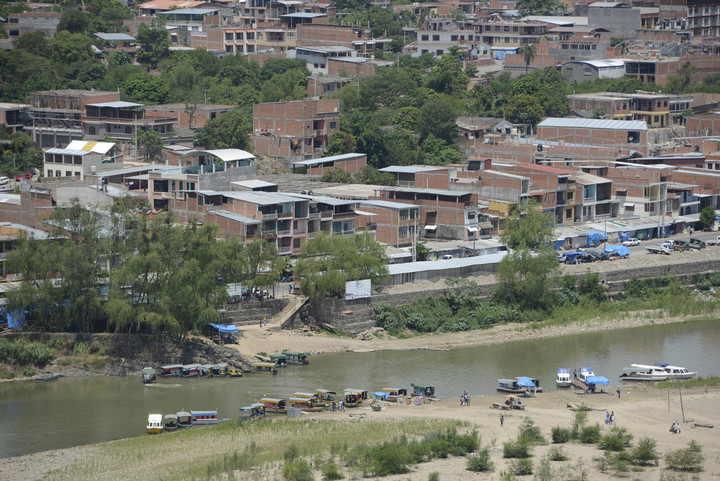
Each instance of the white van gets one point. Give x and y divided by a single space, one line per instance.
447 257
4 180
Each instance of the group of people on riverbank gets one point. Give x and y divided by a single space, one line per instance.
609 417
465 399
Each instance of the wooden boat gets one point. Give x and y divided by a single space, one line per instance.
562 378
394 393
219 370
203 418
315 397
511 386
296 357
352 399
184 419
149 375
172 370
155 424
326 395
360 392
232 372
274 405
676 372
422 390
205 369
643 372
253 411
47 377
267 367
170 422
279 359
191 370
305 404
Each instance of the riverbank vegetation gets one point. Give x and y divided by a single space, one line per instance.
277 447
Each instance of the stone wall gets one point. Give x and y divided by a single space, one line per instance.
250 312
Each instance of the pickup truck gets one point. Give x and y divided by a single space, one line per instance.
713 242
664 248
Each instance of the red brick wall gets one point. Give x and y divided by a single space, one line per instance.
616 139
345 69
309 35
704 124
438 179
33 208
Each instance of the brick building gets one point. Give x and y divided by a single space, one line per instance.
394 223
297 130
622 136
182 113
352 163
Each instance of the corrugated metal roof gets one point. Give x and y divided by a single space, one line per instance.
388 205
118 104
425 266
259 198
68 152
236 217
226 155
332 158
594 124
189 11
97 147
449 193
114 36
410 169
303 15
252 183
323 199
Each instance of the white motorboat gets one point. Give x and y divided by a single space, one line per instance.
643 372
155 424
563 377
585 372
676 372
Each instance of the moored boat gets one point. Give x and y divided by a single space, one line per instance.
279 359
191 370
585 372
296 357
267 367
326 395
352 398
253 411
170 422
422 390
676 372
219 370
184 419
47 377
149 375
172 370
562 379
394 393
203 418
509 385
274 405
233 372
305 404
154 425
643 372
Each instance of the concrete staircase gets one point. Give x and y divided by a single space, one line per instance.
281 319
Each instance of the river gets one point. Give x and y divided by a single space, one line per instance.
74 411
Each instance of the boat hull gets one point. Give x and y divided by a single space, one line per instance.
563 383
641 378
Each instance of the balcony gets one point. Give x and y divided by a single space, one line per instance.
284 249
327 214
314 215
285 215
318 133
284 233
271 215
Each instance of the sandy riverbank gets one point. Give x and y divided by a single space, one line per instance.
257 339
645 412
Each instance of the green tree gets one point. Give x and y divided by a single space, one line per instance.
327 262
341 143
146 88
289 85
707 216
153 43
437 117
230 130
523 108
151 142
540 7
448 76
387 85
528 52
35 43
69 48
73 21
679 82
524 273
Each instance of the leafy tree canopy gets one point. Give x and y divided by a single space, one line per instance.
230 130
146 88
540 7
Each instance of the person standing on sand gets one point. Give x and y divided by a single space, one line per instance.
502 420
607 417
612 418
618 391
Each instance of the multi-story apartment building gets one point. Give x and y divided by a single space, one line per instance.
297 130
80 159
394 223
437 35
11 116
704 18
657 110
621 19
122 121
503 36
41 18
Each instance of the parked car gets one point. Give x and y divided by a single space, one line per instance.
631 242
26 175
4 180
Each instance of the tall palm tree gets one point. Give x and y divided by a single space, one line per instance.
528 51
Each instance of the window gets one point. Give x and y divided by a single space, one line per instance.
506 28
439 52
436 38
251 36
453 38
333 125
404 214
425 38
92 130
229 48
128 130
239 36
228 35
403 232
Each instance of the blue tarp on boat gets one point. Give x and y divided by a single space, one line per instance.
595 237
382 394
225 327
597 380
620 250
525 382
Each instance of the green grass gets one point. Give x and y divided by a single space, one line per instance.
707 382
199 453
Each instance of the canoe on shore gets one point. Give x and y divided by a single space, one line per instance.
47 377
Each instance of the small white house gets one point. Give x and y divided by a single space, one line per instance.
79 159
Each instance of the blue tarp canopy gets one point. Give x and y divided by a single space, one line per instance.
595 237
597 380
571 255
621 250
382 394
225 327
525 382
624 236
